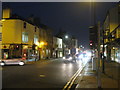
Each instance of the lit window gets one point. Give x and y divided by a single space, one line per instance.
35 39
25 37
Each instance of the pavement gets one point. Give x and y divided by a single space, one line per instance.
88 78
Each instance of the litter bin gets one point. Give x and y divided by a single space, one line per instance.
94 64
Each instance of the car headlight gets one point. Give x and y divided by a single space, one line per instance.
21 63
2 63
63 57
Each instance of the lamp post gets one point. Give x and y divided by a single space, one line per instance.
65 43
66 40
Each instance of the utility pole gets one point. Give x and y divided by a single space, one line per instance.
99 72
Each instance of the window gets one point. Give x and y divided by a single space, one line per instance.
25 37
35 29
35 39
24 24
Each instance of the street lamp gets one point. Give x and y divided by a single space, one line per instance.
66 36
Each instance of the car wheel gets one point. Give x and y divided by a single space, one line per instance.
21 63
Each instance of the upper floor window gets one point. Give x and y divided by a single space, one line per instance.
35 39
35 29
24 24
24 37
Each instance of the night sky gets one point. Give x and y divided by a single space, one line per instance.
73 17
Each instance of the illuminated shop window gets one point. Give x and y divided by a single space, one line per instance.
25 37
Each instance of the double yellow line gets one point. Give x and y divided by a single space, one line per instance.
72 79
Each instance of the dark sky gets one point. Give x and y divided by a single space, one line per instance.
73 17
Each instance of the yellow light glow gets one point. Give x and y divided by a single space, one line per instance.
40 46
46 43
37 43
42 43
3 20
25 47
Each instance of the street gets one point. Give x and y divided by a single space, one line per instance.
59 45
47 74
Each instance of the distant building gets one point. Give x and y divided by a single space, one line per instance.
57 47
93 37
74 43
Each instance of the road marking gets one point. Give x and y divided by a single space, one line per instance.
72 79
42 75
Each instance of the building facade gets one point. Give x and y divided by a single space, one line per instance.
22 39
111 28
57 47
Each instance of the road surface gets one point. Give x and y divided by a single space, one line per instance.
47 74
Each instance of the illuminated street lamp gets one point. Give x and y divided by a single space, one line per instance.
66 36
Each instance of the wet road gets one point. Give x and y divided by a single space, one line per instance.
45 74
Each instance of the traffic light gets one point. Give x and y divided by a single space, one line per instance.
91 44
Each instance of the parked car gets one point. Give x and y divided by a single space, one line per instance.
17 61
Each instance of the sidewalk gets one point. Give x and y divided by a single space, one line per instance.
111 78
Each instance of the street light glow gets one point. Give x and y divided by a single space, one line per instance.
66 36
